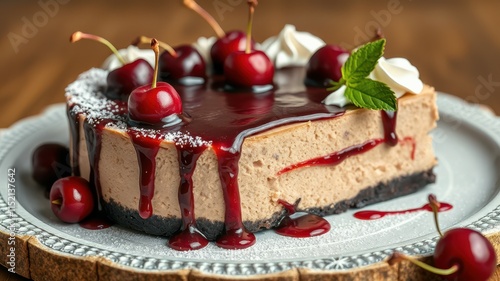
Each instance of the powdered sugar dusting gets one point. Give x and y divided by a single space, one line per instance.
85 96
181 139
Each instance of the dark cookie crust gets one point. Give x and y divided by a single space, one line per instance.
163 226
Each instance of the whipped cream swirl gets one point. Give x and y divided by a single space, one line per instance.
398 73
130 54
291 47
203 45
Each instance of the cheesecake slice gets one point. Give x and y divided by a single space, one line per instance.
238 154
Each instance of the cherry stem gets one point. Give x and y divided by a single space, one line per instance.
398 257
146 40
379 34
191 4
336 85
57 202
77 36
435 205
156 48
251 10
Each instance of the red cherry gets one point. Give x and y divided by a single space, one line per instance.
186 66
122 81
249 68
245 70
461 254
233 41
468 249
50 162
154 105
71 199
325 65
227 43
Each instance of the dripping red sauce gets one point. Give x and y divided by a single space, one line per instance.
389 119
188 237
146 149
93 137
301 224
235 235
74 129
374 215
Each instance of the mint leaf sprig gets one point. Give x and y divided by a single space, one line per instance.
361 90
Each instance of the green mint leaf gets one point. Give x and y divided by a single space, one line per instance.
371 94
362 61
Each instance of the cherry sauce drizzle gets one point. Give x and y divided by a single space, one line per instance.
146 149
188 237
74 128
93 137
301 224
374 215
235 235
389 119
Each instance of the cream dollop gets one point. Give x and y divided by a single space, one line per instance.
203 45
337 98
291 47
398 73
130 54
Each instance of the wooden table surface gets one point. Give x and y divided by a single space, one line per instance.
455 44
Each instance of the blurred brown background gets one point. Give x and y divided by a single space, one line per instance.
455 44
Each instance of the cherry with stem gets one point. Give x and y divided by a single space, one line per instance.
226 43
120 81
249 69
155 104
181 65
461 253
78 35
191 4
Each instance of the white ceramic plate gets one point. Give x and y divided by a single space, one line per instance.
467 144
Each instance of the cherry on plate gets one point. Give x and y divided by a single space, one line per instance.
71 199
50 161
